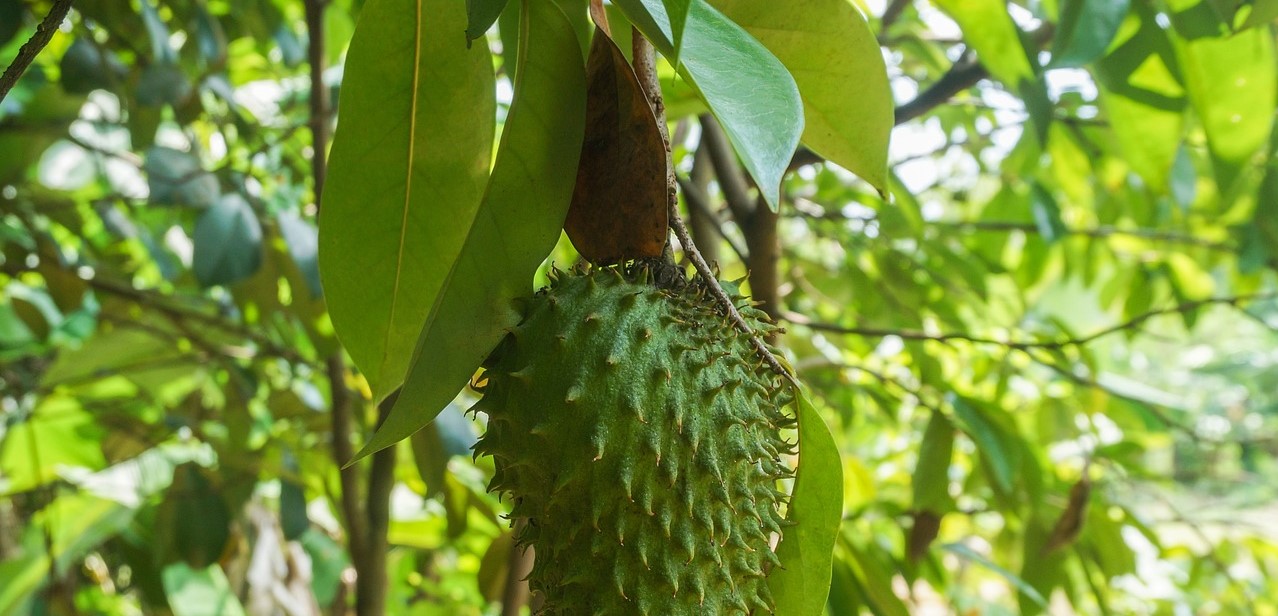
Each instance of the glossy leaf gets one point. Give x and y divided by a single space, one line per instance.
835 59
1142 95
747 89
1231 83
802 584
228 242
1086 29
619 204
518 223
408 166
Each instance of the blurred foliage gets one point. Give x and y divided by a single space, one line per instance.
1050 355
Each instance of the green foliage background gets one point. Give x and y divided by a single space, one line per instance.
1042 329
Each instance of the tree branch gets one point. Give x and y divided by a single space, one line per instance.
706 227
1026 345
32 48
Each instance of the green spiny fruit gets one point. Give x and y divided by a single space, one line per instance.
637 432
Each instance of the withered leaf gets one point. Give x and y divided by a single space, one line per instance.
618 209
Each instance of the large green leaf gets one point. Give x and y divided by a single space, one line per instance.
1231 83
407 172
802 584
1142 95
835 59
746 87
517 224
988 28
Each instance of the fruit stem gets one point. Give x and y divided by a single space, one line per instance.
646 71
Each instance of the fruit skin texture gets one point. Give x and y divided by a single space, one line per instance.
637 433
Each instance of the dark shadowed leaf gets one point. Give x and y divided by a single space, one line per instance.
1086 29
678 12
10 20
747 89
518 223
409 162
228 242
303 245
480 16
1047 214
806 551
997 447
175 177
618 207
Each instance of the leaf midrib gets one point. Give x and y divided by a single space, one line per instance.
408 182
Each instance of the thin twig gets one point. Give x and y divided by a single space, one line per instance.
32 48
1024 345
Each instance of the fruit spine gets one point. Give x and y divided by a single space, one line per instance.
638 434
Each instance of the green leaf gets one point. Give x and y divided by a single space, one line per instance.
678 11
1143 98
998 451
518 223
58 434
1086 29
328 562
227 242
932 473
746 87
835 59
480 16
200 592
1047 214
407 172
988 28
175 177
963 551
1257 13
802 584
1231 83
10 20
1188 277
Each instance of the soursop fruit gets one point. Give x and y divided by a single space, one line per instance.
639 437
